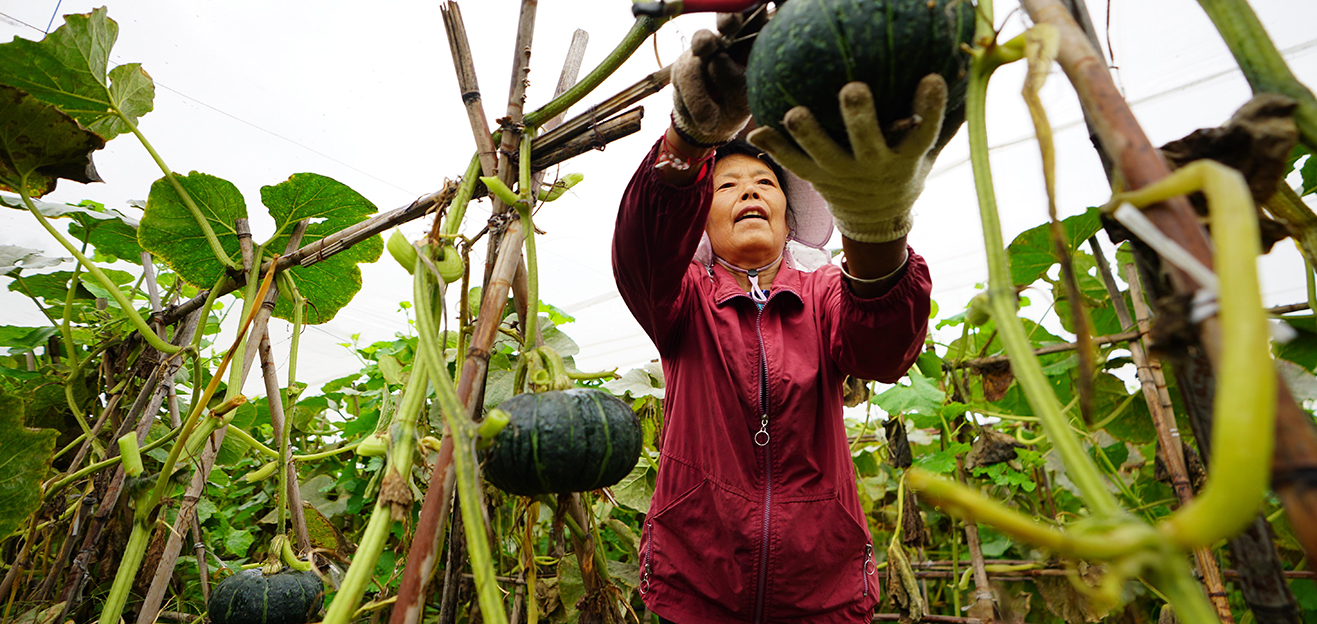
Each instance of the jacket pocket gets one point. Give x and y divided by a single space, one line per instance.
698 546
819 561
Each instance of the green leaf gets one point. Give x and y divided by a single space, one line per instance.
636 489
68 69
170 232
238 542
1032 253
24 464
115 237
1134 424
1302 348
39 144
942 462
331 206
24 339
13 257
51 287
922 396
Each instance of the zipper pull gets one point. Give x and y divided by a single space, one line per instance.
763 431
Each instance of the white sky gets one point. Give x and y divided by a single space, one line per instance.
255 91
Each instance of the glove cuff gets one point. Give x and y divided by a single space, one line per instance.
688 132
881 231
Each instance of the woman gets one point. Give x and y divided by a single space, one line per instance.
755 516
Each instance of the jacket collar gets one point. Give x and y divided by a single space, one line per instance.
726 288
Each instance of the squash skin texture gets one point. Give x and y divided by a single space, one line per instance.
251 597
812 48
565 441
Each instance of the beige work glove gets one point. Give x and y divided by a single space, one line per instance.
708 82
871 192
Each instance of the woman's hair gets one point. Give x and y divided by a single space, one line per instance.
743 147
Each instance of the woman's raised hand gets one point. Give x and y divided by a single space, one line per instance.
871 191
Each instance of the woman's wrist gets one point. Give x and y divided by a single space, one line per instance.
679 162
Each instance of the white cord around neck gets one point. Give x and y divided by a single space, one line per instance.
756 293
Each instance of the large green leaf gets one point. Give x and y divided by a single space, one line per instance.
114 237
68 69
23 464
1031 253
24 339
169 231
331 206
39 144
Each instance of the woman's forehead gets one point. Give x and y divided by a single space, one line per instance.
741 164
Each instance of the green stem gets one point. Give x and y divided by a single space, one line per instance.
362 571
1174 578
66 324
1001 299
131 559
524 205
96 467
148 334
457 207
640 31
209 233
1261 62
972 506
469 484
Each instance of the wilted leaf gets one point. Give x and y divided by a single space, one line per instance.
24 464
13 257
68 69
170 232
997 379
1066 602
330 206
991 447
39 144
637 383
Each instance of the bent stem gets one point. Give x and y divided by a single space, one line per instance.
1244 407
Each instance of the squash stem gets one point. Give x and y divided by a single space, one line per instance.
524 204
1001 301
1244 408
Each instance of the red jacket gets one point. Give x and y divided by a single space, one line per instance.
722 542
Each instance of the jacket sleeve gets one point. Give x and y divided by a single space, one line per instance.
878 338
658 229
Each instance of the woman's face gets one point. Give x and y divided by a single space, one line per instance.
747 223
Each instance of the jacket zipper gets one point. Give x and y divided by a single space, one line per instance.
768 475
867 568
649 547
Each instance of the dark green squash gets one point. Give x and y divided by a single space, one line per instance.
252 597
811 48
565 441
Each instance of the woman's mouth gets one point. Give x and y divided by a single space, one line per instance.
751 212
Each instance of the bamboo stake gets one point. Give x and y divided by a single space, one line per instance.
1139 165
1168 436
470 87
985 601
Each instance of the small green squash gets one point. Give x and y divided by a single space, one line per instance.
564 441
252 597
811 48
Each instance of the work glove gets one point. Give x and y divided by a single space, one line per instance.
708 82
871 192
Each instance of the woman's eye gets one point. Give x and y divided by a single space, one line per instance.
767 182
725 185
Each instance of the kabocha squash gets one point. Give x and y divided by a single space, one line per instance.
563 441
811 48
253 597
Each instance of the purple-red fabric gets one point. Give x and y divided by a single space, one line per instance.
703 543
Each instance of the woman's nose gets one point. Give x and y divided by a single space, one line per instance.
749 193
